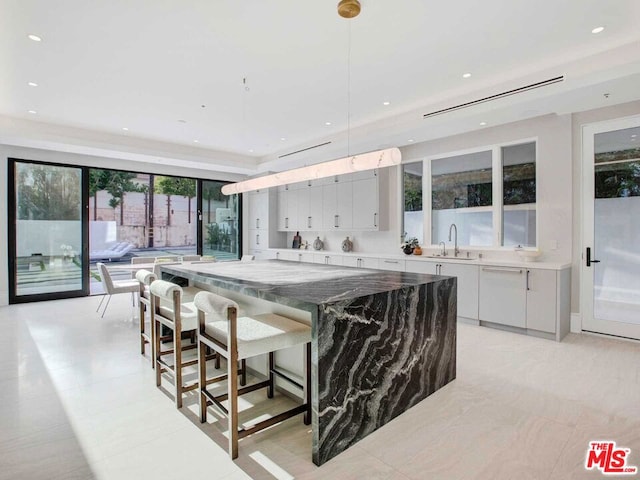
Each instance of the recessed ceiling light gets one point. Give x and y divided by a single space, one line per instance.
35 38
597 30
634 135
410 140
32 112
125 129
32 84
327 123
386 103
251 150
482 124
196 141
466 75
283 139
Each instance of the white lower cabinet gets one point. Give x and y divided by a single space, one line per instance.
467 276
360 262
327 259
520 297
503 296
541 300
467 282
392 264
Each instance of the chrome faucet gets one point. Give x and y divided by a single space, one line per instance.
456 250
444 249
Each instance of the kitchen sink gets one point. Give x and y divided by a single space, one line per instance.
449 257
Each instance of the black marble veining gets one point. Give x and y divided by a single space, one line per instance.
381 341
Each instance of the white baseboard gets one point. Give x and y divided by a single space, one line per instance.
576 323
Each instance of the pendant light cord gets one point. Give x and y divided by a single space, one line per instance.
349 91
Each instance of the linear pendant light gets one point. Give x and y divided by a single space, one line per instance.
356 163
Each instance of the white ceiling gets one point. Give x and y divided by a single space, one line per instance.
150 65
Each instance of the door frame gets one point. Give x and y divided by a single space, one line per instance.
12 232
587 195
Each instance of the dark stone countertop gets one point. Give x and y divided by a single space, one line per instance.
310 283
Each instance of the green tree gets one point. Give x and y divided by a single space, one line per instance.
213 191
48 193
185 187
118 184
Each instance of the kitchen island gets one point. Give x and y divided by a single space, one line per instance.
381 341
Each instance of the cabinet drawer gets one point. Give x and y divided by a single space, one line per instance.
503 296
392 264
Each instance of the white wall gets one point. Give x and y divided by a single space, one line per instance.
8 151
553 169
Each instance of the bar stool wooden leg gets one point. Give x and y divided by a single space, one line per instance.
202 379
243 372
177 366
232 372
307 384
141 318
271 376
157 348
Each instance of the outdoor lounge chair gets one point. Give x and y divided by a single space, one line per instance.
118 250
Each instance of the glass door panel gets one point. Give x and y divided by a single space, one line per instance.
613 279
220 222
47 232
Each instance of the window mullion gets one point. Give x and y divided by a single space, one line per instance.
497 197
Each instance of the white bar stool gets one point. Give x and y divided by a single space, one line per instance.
220 329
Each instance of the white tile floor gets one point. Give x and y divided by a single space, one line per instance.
77 401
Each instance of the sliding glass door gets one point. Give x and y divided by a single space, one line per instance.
47 231
220 220
64 219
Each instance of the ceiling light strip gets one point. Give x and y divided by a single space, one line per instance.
508 93
356 163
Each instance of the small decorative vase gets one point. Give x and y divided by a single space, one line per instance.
417 250
408 250
318 244
347 245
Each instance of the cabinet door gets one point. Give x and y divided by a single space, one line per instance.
344 192
369 262
302 213
292 210
314 220
503 296
258 239
392 264
330 206
365 204
467 276
351 261
421 266
258 209
334 260
283 211
541 300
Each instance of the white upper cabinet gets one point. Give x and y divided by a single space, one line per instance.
355 201
337 208
310 208
366 215
259 210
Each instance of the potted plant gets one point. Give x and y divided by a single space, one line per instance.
409 245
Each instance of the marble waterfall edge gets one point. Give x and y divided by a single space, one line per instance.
378 356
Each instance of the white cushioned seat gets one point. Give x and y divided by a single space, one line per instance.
188 315
261 334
